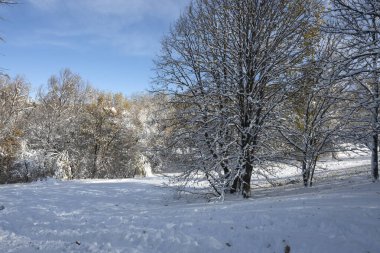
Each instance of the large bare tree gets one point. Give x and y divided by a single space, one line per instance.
225 65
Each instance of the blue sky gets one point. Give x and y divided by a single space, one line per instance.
110 43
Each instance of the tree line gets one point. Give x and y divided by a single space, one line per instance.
70 130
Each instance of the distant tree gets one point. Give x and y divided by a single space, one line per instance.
14 96
75 131
358 22
145 117
110 141
54 121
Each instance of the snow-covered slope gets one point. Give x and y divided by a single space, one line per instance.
141 216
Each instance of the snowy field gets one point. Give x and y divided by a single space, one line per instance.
340 214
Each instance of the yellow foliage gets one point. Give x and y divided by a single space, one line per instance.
17 132
10 145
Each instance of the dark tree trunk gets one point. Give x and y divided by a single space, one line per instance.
246 180
305 174
375 112
236 183
375 156
95 165
26 172
312 169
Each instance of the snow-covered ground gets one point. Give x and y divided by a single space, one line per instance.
139 215
348 164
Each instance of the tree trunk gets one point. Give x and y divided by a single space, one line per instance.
95 165
374 156
311 171
236 183
375 112
305 174
246 180
243 181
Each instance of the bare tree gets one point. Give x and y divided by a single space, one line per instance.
225 67
358 22
109 142
316 115
14 96
53 123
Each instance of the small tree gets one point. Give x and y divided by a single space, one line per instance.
315 115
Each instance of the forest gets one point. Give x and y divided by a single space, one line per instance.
240 87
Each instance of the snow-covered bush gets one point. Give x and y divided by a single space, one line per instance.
30 165
61 166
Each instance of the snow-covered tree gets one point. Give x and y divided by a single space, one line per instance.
53 123
110 144
81 132
225 67
315 115
358 22
14 96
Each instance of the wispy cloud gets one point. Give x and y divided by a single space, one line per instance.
45 4
130 9
131 26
